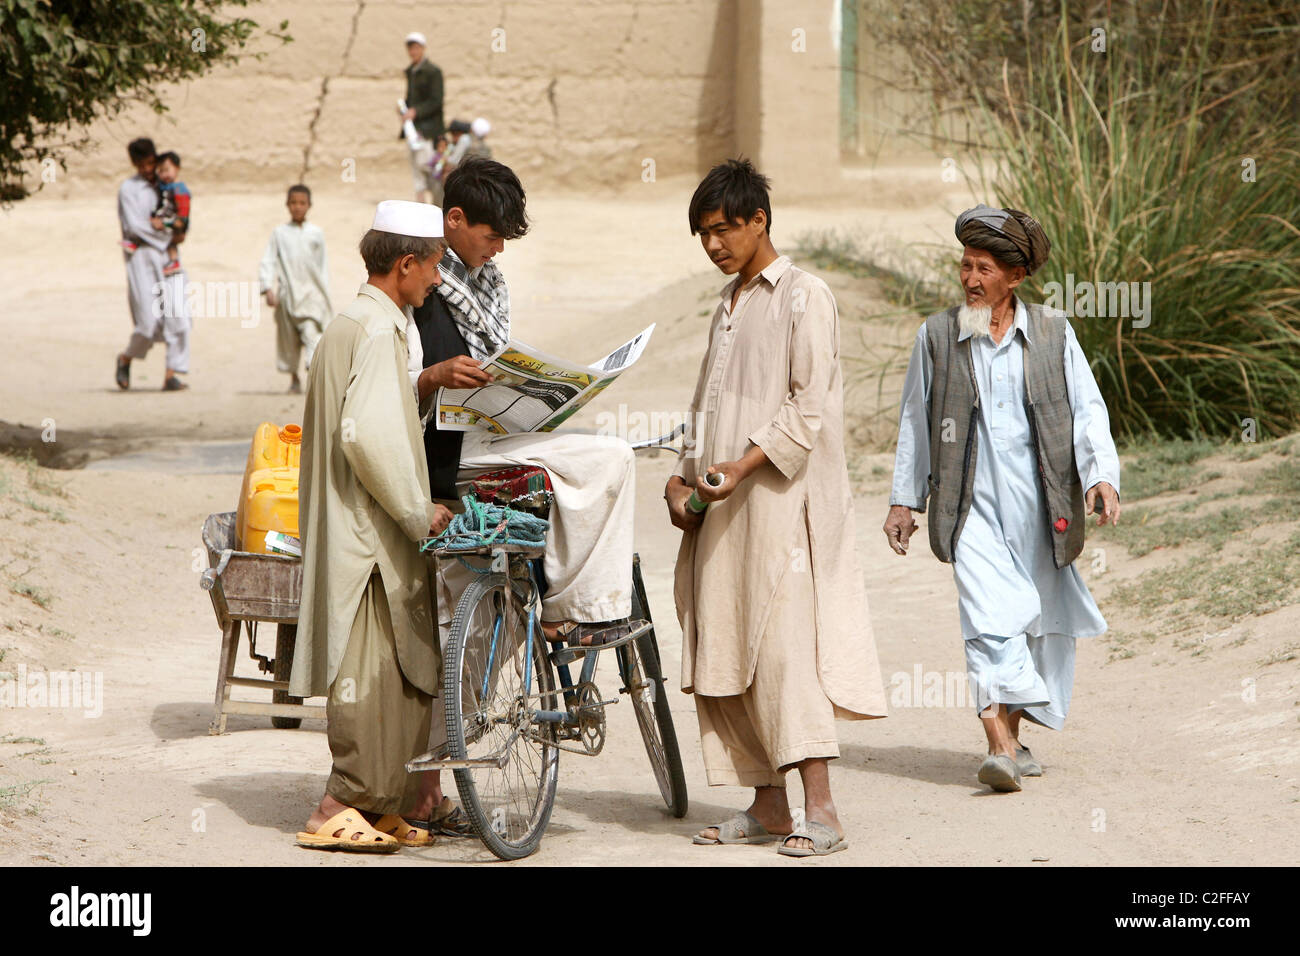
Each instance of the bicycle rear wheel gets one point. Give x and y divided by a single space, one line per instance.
643 681
487 711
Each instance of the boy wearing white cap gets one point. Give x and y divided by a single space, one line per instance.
366 636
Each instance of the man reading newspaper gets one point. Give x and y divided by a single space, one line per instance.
588 559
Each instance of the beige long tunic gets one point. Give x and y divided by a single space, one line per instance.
363 497
296 267
771 376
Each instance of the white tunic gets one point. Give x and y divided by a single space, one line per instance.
295 259
1007 582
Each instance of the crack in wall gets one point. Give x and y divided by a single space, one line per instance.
324 92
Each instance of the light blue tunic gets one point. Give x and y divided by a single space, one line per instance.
1007 583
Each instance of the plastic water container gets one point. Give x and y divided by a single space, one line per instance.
268 500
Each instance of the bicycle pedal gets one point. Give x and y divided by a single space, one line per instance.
596 706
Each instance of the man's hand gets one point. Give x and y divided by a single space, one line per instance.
1109 502
441 518
676 493
409 114
271 298
459 371
899 526
732 472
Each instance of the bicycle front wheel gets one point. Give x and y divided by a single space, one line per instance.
643 681
489 695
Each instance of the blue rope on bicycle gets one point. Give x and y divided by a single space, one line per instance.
481 525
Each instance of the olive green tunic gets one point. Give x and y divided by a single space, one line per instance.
363 498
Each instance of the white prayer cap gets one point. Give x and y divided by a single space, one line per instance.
406 218
417 37
480 127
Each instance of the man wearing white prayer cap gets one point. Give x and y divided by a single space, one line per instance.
366 629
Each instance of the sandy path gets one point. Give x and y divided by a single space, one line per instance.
1163 761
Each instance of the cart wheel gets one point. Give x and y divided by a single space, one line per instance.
285 636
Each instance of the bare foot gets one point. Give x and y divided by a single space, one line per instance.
327 808
430 796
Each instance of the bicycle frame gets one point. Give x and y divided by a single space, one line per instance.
562 657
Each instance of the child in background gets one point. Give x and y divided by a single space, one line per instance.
173 207
478 146
438 167
294 277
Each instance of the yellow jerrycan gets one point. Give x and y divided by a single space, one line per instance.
268 500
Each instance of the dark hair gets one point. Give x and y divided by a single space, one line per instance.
299 188
171 157
139 149
488 191
735 187
380 251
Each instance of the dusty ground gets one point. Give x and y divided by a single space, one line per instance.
1182 746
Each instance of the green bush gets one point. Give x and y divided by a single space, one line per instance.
1133 159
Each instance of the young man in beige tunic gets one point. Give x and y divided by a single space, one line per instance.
366 632
776 642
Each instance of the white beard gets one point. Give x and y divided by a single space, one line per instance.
974 319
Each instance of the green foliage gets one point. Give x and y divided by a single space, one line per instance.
1189 594
1152 467
64 64
37 595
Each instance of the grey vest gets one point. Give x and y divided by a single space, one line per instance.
954 405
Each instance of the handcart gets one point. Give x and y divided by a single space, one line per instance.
249 589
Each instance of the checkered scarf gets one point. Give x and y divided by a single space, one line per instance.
479 305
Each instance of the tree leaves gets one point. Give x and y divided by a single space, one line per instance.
60 68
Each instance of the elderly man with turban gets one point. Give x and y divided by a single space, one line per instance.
1003 431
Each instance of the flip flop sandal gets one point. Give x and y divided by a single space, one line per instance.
348 830
1029 767
174 384
456 824
742 828
404 833
824 841
1001 773
578 634
123 374
448 820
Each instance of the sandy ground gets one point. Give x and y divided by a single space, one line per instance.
1166 760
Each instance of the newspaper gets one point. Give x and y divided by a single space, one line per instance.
531 391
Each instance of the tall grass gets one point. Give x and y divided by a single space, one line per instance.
1132 159
1137 175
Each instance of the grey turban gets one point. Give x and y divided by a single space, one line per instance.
1013 236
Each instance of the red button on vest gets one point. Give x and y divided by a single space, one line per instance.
1061 524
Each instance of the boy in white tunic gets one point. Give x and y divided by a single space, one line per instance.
294 277
1004 431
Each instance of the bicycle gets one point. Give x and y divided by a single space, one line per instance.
508 720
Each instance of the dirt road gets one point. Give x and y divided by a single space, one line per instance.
1167 759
